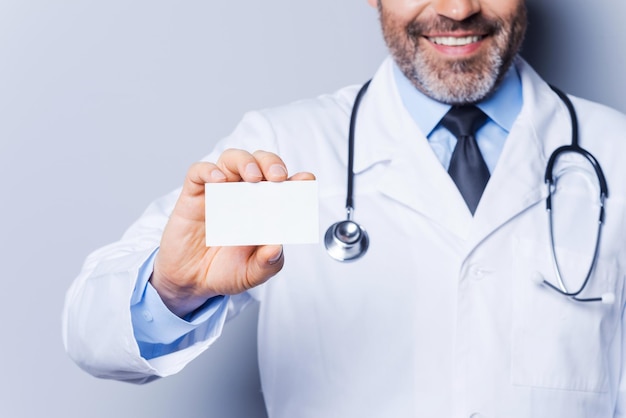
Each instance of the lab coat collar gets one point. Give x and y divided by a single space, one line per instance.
380 102
387 134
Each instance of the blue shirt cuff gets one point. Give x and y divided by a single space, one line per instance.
154 323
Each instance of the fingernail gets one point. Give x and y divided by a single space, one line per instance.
277 257
217 175
252 170
278 170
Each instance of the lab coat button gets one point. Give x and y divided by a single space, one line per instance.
147 316
476 273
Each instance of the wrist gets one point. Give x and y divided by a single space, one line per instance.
179 300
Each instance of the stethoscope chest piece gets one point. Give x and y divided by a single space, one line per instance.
346 241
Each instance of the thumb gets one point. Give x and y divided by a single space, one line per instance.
264 263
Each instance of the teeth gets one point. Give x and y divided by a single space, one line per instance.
454 41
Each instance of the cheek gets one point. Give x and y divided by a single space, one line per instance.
502 9
406 10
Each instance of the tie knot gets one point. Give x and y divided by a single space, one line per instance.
464 120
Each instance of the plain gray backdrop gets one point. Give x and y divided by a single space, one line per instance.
103 106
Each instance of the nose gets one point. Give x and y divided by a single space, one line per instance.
458 10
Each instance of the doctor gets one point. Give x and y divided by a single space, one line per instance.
443 316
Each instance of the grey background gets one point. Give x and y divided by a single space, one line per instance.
103 105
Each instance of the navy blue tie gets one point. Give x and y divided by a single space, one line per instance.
467 166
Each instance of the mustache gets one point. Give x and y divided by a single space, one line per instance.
441 24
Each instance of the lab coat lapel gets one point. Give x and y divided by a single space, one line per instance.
515 185
413 175
517 182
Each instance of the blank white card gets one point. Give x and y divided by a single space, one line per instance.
261 213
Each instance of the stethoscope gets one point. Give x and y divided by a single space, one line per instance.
574 147
348 241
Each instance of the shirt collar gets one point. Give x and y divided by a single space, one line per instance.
502 107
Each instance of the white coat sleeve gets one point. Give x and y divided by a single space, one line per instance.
97 325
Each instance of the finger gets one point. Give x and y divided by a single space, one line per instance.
302 176
264 263
271 165
200 173
239 165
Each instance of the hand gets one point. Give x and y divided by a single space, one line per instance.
186 271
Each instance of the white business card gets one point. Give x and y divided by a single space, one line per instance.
261 213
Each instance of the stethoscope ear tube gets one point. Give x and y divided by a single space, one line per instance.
574 147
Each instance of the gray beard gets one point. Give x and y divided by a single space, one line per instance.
456 83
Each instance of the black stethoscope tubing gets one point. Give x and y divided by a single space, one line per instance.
347 240
353 117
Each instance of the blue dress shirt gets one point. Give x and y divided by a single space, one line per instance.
158 331
502 108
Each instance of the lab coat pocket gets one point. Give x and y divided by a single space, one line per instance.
559 343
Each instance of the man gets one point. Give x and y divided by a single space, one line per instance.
443 317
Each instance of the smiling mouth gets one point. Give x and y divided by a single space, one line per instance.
454 40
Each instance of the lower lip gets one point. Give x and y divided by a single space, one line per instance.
457 51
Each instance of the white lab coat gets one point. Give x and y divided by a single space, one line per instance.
442 317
